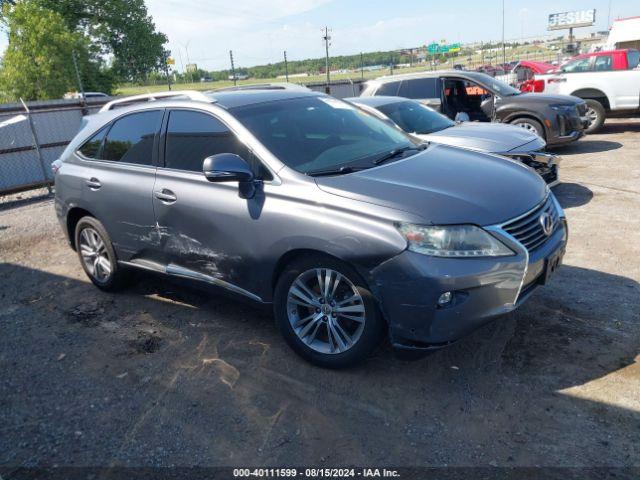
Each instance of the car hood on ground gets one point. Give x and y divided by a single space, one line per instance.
445 185
543 98
487 137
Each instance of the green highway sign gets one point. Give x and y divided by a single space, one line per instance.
437 48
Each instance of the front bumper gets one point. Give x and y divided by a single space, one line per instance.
409 285
566 127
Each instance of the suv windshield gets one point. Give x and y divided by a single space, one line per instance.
314 134
413 117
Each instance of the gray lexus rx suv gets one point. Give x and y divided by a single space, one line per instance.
349 228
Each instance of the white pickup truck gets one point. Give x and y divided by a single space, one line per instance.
608 81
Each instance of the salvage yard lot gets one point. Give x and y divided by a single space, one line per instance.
162 375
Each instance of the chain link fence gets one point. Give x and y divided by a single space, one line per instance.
32 136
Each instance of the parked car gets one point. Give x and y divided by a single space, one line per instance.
559 119
608 81
346 226
426 124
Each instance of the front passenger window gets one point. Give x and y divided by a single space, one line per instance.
194 136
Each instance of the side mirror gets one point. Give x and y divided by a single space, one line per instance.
229 167
226 167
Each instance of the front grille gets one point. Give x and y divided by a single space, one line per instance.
528 229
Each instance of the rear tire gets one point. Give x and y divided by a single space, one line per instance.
332 330
96 254
597 115
530 125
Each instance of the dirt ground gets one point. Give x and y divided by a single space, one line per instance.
163 375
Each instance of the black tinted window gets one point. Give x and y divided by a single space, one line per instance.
390 89
603 63
419 88
91 146
194 136
130 139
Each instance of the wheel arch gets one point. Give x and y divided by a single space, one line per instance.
593 94
528 115
293 255
73 217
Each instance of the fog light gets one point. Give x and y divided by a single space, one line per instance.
445 299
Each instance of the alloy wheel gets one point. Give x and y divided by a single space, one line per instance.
325 310
94 254
592 115
528 126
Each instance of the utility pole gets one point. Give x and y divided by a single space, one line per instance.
361 67
504 51
75 66
286 67
233 68
326 37
391 65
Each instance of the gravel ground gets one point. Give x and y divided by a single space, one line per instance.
162 375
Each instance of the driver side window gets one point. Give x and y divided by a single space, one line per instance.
193 136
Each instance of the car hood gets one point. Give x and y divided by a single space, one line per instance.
445 185
543 98
487 137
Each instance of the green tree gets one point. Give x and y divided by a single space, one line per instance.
38 61
120 28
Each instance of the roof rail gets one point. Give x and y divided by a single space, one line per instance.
263 86
150 97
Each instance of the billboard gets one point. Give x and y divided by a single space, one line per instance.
580 18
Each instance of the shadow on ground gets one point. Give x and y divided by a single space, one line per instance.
161 374
572 195
587 145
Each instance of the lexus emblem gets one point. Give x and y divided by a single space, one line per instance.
546 220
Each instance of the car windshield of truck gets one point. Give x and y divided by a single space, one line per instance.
413 117
322 134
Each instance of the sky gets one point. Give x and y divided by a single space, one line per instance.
258 31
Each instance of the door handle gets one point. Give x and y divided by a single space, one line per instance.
93 183
166 196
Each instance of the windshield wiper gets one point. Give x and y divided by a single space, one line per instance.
398 151
334 171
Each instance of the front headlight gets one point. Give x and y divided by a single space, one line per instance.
460 241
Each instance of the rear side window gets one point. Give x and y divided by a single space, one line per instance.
91 148
390 89
194 136
603 63
419 88
633 58
130 139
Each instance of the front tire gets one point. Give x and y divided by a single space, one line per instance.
326 312
596 114
96 254
531 125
